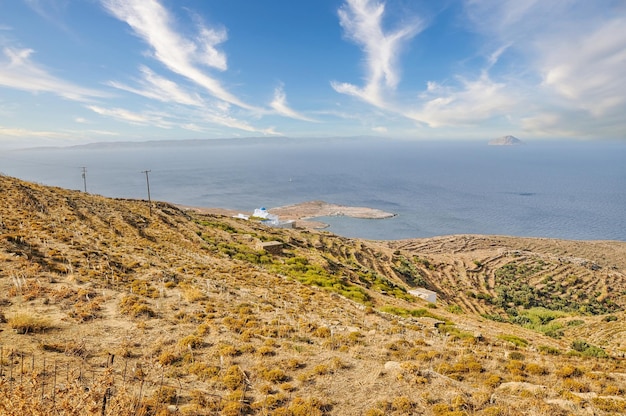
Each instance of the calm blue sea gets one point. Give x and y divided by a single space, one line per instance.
571 190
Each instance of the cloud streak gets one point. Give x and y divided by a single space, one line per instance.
362 22
588 69
20 132
468 105
279 104
186 57
155 87
51 10
128 116
197 120
18 71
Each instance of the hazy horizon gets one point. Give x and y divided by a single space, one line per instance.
544 189
195 141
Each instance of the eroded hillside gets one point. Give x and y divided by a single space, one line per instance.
176 312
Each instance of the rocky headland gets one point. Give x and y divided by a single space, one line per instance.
506 141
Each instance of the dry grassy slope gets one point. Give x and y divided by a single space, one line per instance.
190 298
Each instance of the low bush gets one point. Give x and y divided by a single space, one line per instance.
588 350
190 341
416 313
27 324
514 339
136 307
568 371
546 349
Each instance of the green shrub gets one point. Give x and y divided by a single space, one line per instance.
416 313
513 339
302 270
588 350
456 309
546 349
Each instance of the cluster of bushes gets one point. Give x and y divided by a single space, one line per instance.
407 270
588 350
373 280
308 273
512 288
406 313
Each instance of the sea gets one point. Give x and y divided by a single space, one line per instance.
554 189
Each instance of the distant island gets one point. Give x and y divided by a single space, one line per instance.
506 141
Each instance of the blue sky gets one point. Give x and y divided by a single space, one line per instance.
78 71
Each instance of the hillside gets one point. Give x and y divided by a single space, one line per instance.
106 309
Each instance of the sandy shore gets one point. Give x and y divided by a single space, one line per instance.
302 213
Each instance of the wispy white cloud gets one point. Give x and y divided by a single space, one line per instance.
92 132
17 137
18 71
199 120
588 68
228 121
574 54
186 57
51 10
540 66
362 21
159 88
130 116
468 101
279 104
468 104
21 132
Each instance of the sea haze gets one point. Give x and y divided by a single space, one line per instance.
571 190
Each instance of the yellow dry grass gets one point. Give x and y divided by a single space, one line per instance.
179 312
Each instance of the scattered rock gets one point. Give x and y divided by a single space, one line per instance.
393 366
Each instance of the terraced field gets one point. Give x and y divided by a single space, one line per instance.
490 275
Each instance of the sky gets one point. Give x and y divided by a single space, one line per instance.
81 71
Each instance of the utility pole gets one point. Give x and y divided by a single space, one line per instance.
148 185
84 175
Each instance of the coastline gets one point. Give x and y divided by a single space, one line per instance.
303 213
565 251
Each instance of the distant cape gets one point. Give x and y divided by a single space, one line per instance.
505 141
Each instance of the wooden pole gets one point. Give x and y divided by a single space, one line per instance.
148 185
